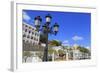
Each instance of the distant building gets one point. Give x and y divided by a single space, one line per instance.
30 35
77 54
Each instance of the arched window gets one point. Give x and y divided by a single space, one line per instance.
32 32
32 29
34 38
28 36
25 30
35 34
29 27
26 26
37 39
24 35
29 31
23 41
31 37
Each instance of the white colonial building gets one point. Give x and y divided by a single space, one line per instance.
78 55
30 35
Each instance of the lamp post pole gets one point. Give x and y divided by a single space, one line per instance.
45 56
46 29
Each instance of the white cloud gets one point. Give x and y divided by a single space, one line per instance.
65 43
76 38
75 44
88 47
25 16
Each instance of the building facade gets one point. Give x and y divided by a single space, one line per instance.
78 55
31 46
30 35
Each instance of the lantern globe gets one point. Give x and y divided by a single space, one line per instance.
37 21
48 18
56 26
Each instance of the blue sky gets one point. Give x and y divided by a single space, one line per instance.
75 27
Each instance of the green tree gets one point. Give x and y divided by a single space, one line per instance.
55 43
83 49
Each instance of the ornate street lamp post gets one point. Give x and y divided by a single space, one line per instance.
46 29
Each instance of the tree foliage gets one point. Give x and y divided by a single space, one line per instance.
55 43
83 49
